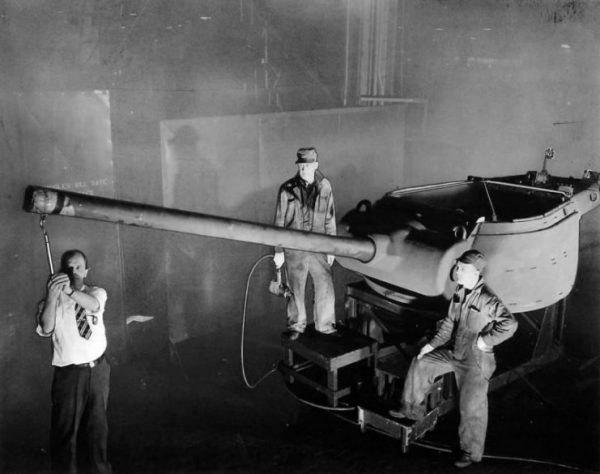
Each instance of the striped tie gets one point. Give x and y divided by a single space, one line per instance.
82 325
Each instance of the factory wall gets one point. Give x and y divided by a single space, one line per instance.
501 81
504 81
243 161
138 64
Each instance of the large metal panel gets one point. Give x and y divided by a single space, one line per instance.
233 166
60 139
65 143
532 270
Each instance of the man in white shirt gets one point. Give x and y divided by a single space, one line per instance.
72 314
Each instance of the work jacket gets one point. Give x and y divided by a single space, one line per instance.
471 314
292 211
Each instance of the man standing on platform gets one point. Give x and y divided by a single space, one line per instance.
476 322
305 202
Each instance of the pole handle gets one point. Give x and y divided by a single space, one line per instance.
46 243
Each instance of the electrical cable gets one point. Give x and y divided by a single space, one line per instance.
274 369
316 405
421 444
447 449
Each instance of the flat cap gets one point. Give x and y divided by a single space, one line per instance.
306 155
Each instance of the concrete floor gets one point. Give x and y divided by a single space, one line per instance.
167 420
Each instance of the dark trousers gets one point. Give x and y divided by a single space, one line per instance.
299 266
472 378
79 401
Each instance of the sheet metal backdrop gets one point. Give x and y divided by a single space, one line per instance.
69 146
233 166
60 140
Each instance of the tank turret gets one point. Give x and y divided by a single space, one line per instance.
405 244
528 228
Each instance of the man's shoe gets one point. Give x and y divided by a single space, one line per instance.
463 461
397 413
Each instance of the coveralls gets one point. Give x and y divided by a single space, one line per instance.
471 314
308 208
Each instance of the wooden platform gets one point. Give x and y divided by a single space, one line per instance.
316 359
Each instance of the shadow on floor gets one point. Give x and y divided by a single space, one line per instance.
184 427
166 420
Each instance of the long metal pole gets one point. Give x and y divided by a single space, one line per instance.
43 200
47 243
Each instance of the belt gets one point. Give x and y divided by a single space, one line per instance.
92 363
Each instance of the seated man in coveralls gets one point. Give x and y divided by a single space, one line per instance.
476 322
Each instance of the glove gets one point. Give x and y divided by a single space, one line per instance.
278 259
330 259
426 349
482 346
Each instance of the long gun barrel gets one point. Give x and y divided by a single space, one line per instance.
42 200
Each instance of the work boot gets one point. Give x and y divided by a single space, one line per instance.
463 461
292 335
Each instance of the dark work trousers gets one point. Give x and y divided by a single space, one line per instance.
79 401
299 266
472 379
